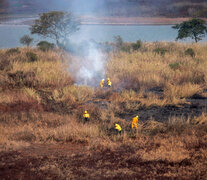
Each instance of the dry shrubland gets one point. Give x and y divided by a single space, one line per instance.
39 103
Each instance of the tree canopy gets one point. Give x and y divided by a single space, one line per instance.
26 40
56 25
194 28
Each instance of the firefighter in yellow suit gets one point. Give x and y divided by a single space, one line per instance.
109 83
118 128
102 83
86 116
135 122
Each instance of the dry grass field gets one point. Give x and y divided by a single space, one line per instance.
43 135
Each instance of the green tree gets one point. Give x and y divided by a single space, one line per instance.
26 40
194 28
56 25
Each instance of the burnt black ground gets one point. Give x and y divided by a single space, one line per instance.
194 109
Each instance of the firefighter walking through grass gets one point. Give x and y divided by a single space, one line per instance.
134 122
102 83
86 116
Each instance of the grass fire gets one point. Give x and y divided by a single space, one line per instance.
113 89
148 119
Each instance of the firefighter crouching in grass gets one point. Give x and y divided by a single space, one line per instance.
118 128
86 116
109 83
102 83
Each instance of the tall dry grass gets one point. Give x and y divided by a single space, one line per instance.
177 74
49 108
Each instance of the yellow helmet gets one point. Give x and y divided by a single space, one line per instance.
137 116
86 112
108 79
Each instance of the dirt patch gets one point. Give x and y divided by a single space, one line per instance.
53 149
20 106
37 161
72 161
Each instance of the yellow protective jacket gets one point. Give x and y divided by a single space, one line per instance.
118 127
109 82
134 122
86 115
101 83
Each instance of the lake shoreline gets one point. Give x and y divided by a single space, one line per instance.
93 20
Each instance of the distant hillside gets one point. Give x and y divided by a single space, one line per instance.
143 8
3 6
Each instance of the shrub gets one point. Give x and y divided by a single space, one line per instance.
13 51
20 79
32 57
5 64
32 93
174 66
190 52
45 46
160 51
73 94
137 45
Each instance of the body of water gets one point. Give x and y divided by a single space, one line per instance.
10 34
129 33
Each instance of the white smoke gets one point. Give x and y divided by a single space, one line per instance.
88 66
91 60
88 69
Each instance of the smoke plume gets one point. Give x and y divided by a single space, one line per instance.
91 58
88 65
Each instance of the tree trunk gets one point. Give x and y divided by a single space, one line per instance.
195 37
